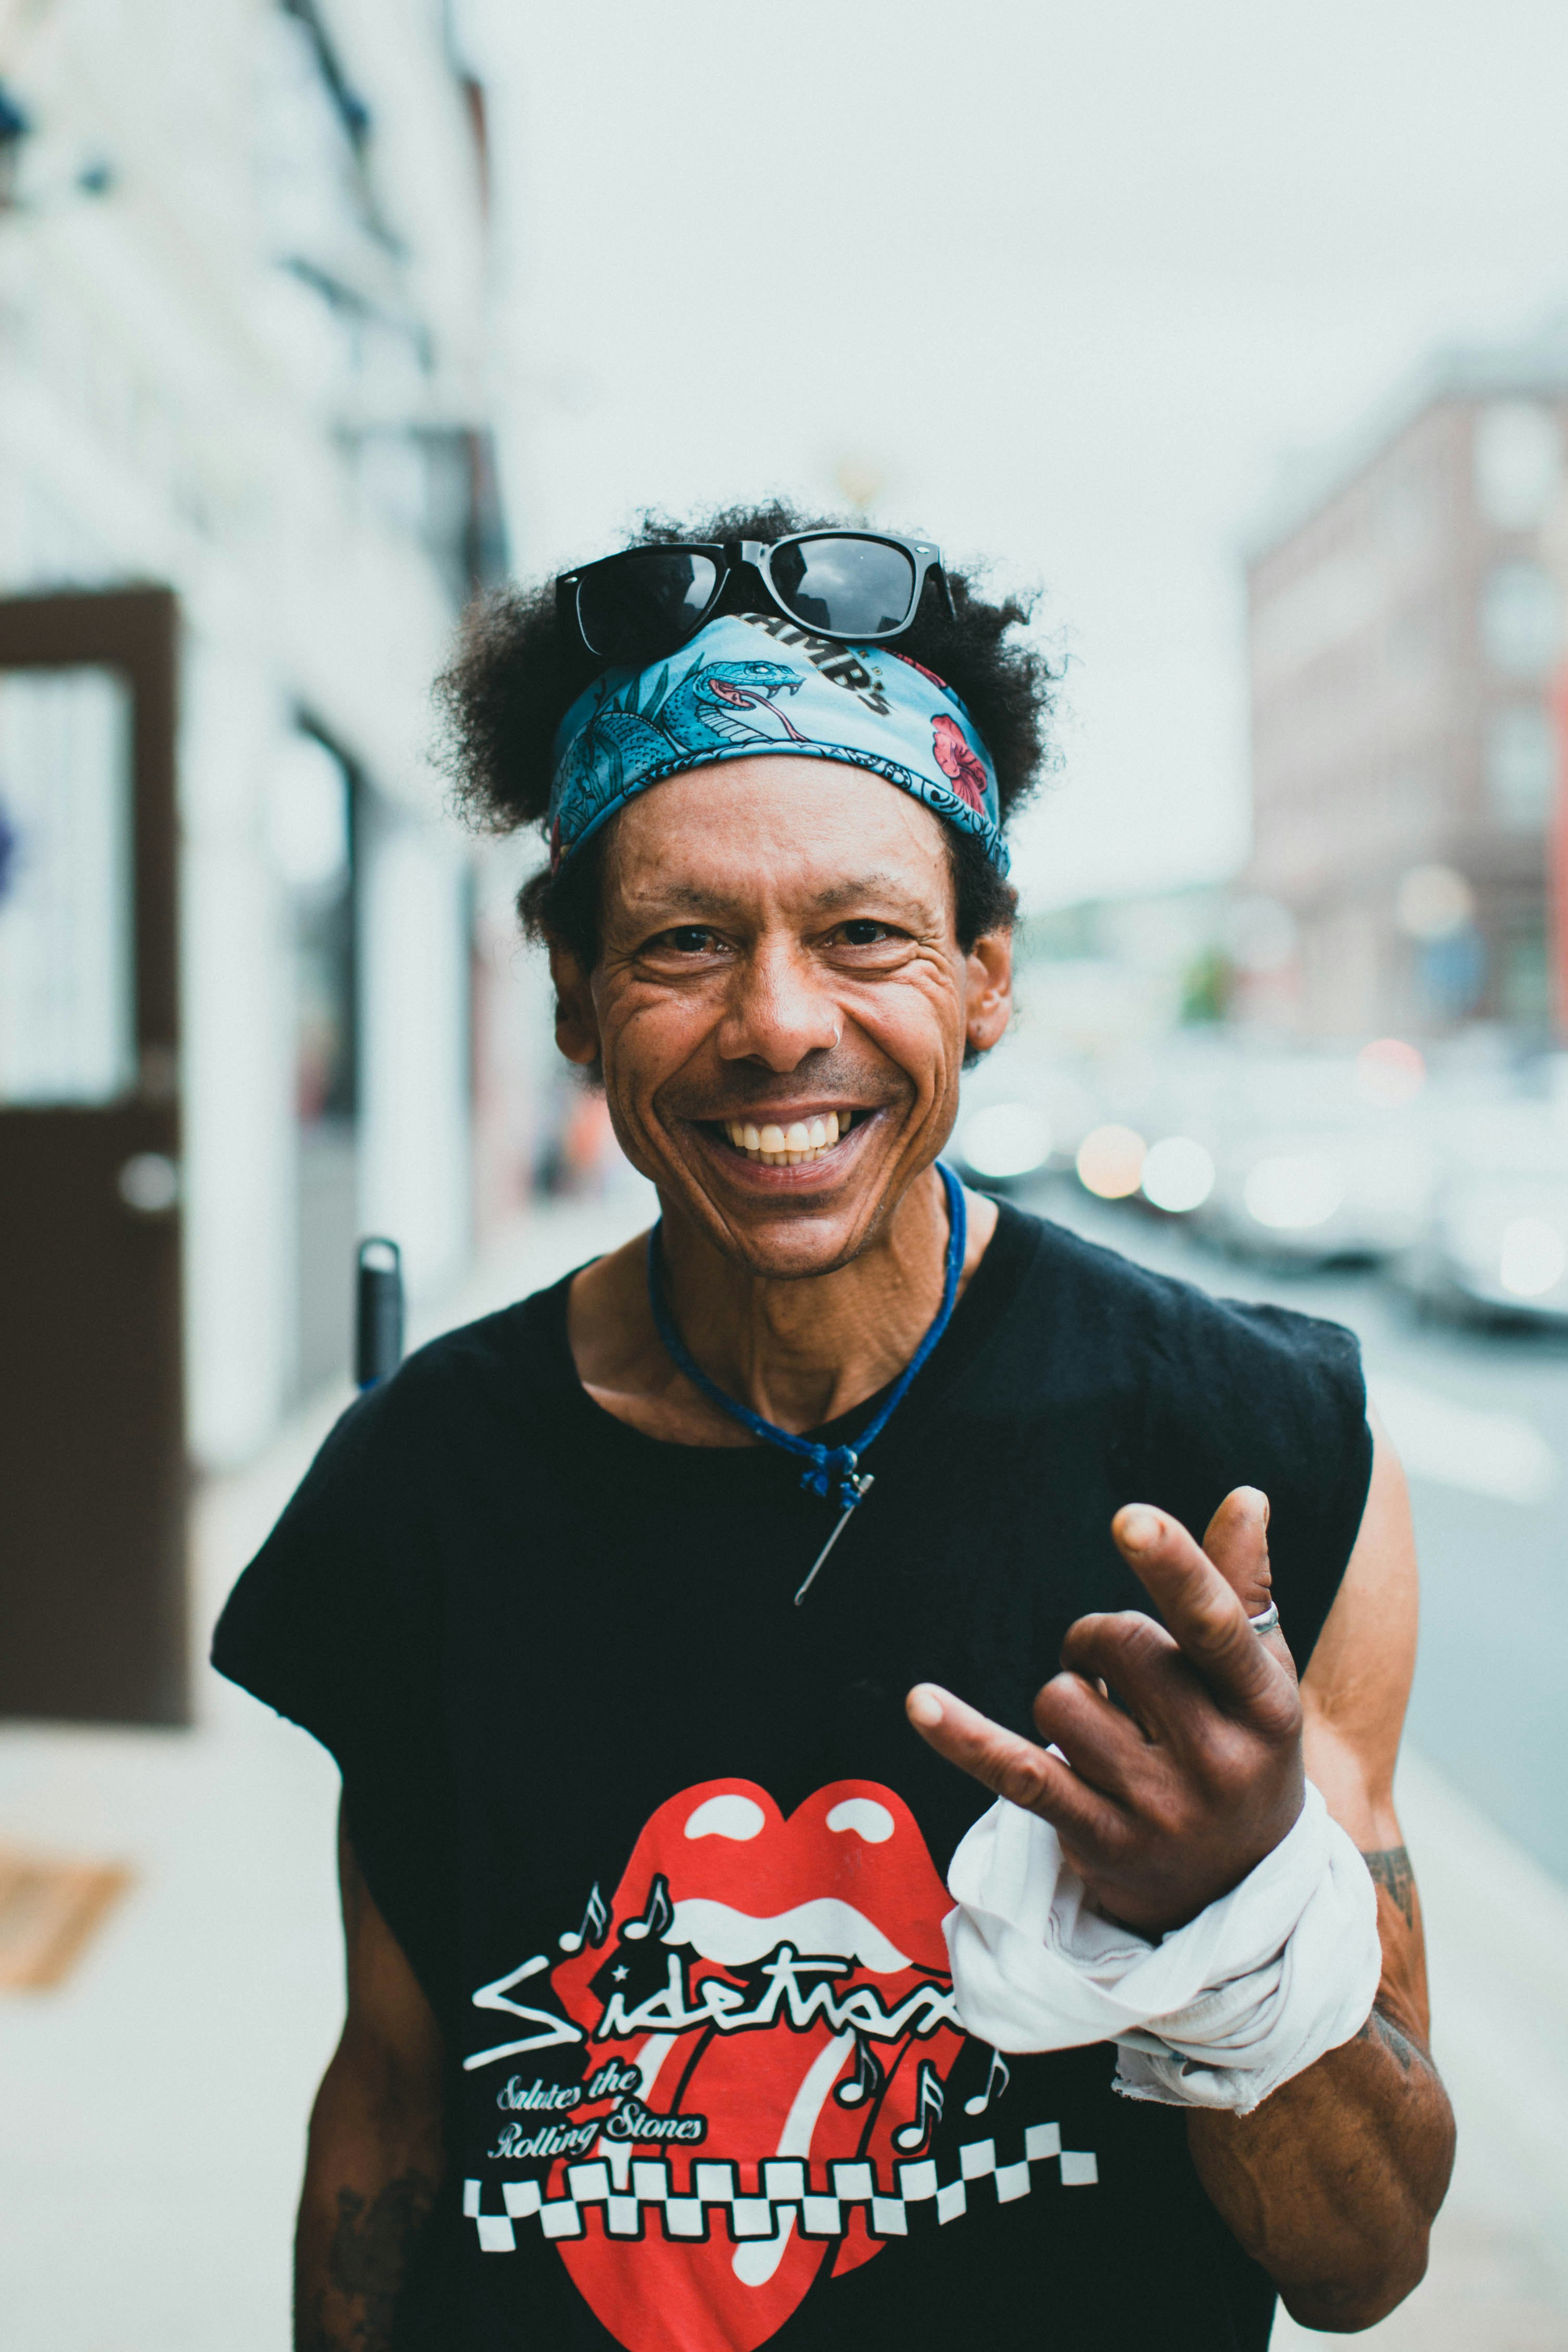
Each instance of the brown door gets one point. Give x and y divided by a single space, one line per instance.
92 1477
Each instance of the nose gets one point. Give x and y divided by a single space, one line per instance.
779 1009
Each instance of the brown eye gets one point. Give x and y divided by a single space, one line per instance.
865 934
690 939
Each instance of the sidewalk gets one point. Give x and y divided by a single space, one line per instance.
153 2112
1497 1933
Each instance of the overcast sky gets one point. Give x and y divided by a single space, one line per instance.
1071 278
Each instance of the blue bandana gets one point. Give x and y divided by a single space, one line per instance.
753 682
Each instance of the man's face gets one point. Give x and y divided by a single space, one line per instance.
779 953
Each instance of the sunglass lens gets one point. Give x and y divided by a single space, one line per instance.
855 587
645 602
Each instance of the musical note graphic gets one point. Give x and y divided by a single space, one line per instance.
912 2136
595 1924
982 2099
867 2080
658 1913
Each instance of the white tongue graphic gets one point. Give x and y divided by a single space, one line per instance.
737 1940
754 2262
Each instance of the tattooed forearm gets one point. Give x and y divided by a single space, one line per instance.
1390 1867
366 2262
1379 2028
371 2245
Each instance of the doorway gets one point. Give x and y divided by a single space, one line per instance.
92 1459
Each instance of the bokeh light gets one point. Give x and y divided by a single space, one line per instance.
1390 1072
1006 1138
1433 902
1178 1174
1111 1161
1293 1191
1532 1258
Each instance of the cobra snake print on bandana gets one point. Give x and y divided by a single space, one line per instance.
808 697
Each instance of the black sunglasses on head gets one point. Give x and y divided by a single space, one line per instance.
860 586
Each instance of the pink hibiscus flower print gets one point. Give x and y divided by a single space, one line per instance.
958 762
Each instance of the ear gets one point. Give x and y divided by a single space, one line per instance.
988 990
575 1022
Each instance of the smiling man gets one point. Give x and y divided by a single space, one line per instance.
675 1628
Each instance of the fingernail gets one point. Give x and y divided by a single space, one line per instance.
1139 1528
923 1706
1265 1510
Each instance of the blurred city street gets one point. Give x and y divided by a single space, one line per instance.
341 342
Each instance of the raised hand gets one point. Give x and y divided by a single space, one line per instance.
1180 1744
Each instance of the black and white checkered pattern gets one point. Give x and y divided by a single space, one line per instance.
637 2193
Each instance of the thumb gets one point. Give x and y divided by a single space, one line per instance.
1237 1540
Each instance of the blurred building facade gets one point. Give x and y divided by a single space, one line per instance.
1105 977
241 272
243 257
1405 619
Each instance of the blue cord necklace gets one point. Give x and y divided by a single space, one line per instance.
827 1466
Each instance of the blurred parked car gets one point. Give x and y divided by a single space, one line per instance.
1297 1159
1351 1193
1495 1244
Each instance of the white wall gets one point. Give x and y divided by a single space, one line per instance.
414 1093
238 1059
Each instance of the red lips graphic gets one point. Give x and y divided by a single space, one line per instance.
782 1990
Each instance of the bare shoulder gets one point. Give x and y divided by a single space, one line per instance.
1356 1688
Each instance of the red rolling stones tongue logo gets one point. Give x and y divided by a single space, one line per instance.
782 1989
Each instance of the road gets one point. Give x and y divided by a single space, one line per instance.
1481 1420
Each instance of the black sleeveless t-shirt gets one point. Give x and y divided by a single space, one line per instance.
669 1861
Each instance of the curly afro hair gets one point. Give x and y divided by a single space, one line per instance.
517 672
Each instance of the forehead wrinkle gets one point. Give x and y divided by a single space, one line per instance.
695 899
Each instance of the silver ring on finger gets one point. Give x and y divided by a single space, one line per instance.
1267 1620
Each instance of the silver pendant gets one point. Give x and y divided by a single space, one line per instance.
862 1487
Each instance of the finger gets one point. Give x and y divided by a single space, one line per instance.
1141 1663
1012 1768
1102 1744
1198 1606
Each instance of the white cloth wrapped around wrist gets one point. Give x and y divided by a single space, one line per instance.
1217 2013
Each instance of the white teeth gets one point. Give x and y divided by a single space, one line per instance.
778 1147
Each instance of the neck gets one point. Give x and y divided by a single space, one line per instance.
802 1353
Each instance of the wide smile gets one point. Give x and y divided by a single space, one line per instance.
817 1140
791 1145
